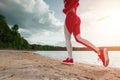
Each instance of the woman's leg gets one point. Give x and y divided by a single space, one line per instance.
79 39
102 52
68 41
86 43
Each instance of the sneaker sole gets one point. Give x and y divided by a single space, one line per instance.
67 63
106 57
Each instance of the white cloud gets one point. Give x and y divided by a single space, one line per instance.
54 20
40 7
27 5
35 19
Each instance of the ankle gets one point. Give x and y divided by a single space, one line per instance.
70 58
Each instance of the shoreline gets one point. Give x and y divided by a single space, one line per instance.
27 65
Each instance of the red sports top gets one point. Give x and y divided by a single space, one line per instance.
70 4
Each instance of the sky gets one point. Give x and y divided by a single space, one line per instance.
42 21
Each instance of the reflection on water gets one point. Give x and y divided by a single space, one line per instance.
88 57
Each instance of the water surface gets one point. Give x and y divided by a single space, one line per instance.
87 57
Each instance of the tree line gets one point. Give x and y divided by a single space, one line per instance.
10 38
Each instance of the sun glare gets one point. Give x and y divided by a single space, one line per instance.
114 17
112 22
110 26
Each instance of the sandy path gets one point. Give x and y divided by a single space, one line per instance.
25 65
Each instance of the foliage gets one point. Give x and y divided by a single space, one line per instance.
11 39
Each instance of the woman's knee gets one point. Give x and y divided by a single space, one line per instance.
68 39
78 38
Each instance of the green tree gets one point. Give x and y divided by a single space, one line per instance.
15 28
11 38
4 30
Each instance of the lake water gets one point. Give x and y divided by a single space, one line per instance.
87 57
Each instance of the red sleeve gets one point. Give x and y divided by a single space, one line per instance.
74 3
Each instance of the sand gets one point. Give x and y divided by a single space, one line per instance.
26 65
